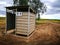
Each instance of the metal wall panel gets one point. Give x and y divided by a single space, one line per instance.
10 21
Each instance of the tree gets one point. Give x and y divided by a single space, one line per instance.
23 2
15 2
20 2
38 6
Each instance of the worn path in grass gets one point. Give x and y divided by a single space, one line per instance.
45 34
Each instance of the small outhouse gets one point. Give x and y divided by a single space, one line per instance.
21 19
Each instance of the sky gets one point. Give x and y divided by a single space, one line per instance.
53 8
3 4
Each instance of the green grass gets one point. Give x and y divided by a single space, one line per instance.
42 21
2 18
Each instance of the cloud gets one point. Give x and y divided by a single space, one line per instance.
1 15
56 4
53 6
3 4
54 16
2 12
53 9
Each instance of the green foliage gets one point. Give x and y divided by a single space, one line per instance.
38 6
23 2
20 2
35 4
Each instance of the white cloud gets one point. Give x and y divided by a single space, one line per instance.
54 16
51 1
49 7
4 3
48 3
58 8
2 15
8 4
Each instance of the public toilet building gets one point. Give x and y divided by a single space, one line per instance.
20 19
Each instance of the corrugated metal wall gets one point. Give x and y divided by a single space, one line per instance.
10 21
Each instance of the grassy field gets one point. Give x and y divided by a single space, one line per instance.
2 23
42 21
2 20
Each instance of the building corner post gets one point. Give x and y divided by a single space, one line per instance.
28 20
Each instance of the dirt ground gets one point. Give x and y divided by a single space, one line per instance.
44 34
